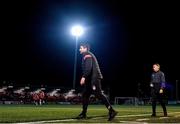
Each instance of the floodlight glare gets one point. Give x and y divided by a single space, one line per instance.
77 30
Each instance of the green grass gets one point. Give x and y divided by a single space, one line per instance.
96 114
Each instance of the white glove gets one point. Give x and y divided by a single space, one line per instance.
161 91
94 87
151 85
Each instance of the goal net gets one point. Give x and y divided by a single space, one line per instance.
125 101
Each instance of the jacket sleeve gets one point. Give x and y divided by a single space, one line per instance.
151 80
87 67
163 81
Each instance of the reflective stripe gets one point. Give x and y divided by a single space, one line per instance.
87 56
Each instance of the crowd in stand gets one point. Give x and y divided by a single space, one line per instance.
40 96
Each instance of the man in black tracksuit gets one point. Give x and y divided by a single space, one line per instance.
157 89
91 80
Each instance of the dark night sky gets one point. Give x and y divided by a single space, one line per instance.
126 37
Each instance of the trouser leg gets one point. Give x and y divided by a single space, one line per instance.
85 100
154 106
163 105
100 95
154 100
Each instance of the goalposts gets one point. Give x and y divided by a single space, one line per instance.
126 101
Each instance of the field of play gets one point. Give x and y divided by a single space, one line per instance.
96 114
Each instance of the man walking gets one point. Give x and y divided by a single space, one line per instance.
157 89
91 81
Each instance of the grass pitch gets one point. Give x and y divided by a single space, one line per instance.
96 114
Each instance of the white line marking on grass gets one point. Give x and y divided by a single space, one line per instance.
50 121
163 117
174 112
132 122
142 119
66 120
142 115
123 121
139 115
124 116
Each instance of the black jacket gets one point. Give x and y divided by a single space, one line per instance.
158 78
90 66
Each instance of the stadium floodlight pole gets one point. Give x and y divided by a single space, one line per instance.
76 31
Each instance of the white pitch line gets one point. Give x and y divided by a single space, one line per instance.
50 121
123 116
65 120
163 117
142 119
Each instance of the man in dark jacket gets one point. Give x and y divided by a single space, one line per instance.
91 81
157 89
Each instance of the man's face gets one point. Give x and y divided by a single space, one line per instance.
155 68
82 49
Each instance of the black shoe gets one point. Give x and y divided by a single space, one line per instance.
112 114
165 114
81 116
153 115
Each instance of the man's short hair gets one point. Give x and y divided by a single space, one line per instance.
85 45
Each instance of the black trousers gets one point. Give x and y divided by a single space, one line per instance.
93 86
156 96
